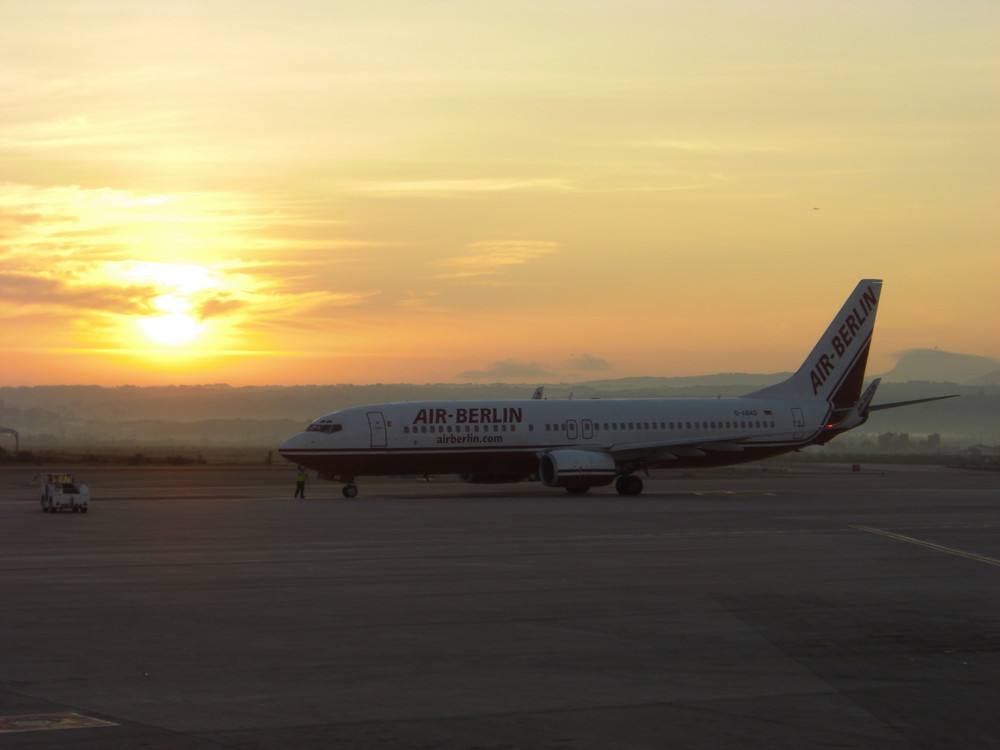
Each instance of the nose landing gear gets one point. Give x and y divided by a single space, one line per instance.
350 490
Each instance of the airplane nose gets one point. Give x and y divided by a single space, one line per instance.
295 442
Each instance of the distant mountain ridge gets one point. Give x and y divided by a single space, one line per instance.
724 378
938 366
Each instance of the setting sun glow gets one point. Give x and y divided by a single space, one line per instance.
437 192
173 330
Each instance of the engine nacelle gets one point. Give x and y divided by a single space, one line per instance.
576 468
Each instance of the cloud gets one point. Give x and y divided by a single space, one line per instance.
485 258
79 249
588 363
31 290
217 305
507 369
453 187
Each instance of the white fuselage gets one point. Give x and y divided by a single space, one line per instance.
508 437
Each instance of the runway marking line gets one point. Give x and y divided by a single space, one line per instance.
43 722
929 545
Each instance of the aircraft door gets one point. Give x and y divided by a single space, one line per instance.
587 429
571 429
376 422
798 421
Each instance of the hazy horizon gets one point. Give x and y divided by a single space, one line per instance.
440 192
930 365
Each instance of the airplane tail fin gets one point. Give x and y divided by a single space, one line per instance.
835 368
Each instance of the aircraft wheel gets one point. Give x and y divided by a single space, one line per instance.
350 490
83 510
629 484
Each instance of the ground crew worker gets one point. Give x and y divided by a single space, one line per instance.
300 483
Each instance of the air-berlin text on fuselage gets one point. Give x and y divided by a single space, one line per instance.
469 415
842 340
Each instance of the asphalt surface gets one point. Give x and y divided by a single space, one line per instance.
800 606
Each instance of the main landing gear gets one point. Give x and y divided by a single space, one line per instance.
628 484
350 490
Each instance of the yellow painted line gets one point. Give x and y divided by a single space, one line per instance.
929 545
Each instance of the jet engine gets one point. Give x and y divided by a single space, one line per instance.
576 469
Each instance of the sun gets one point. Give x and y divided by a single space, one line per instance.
175 327
177 310
171 330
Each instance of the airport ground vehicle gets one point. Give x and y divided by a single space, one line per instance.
62 492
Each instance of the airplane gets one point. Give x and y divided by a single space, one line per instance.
577 444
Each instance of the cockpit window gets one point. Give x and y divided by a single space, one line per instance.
325 427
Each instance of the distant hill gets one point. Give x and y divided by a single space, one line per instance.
938 366
724 379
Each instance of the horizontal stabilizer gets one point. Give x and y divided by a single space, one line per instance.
880 407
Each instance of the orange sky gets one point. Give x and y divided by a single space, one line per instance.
301 192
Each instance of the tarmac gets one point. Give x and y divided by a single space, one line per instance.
783 605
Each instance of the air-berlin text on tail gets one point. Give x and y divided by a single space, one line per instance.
841 342
470 415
